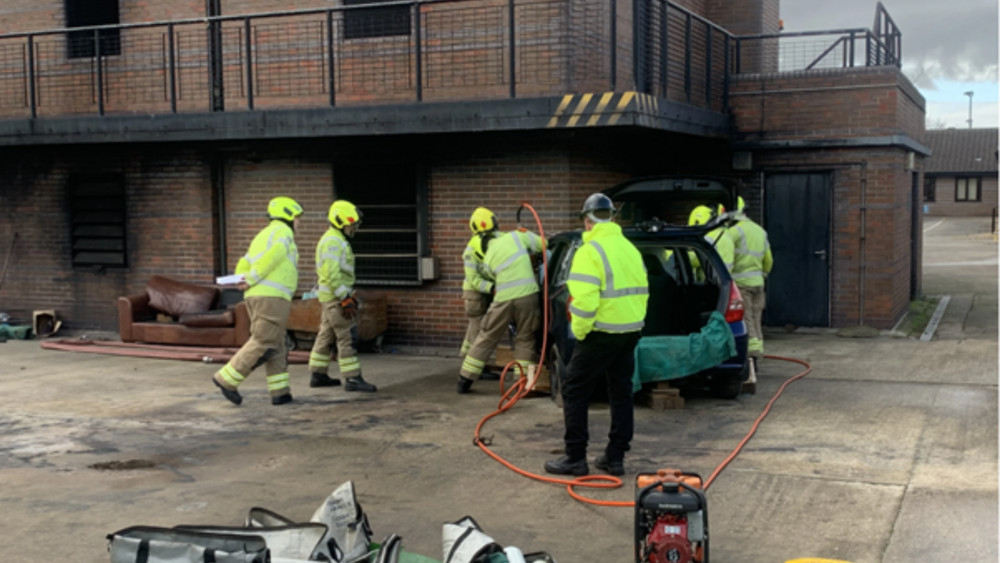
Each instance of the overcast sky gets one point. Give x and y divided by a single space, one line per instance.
949 47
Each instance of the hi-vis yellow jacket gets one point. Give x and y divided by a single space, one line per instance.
607 283
334 266
270 265
508 262
476 276
752 253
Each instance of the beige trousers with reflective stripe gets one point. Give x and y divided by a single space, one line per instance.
268 319
335 329
525 313
475 307
753 311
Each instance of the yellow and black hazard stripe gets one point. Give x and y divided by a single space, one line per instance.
588 110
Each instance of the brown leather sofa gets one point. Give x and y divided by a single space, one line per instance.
175 312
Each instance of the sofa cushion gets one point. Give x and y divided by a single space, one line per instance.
179 298
221 317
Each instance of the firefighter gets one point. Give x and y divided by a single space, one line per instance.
717 237
609 291
335 275
753 262
507 262
271 275
477 287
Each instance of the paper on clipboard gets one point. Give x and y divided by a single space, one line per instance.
229 280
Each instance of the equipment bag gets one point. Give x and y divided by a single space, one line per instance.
292 541
259 517
465 542
149 544
349 534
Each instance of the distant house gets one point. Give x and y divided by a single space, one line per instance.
960 177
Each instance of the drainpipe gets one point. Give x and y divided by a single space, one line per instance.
217 172
862 263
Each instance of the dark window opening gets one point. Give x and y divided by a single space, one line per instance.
967 189
930 185
392 238
84 13
375 22
97 220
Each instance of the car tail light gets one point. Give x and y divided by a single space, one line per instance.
734 309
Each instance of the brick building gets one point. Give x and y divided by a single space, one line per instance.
960 177
152 144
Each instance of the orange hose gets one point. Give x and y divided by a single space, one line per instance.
517 391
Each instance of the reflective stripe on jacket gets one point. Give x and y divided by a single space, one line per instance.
607 283
270 266
752 253
334 266
476 278
508 262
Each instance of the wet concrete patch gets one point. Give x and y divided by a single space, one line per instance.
128 465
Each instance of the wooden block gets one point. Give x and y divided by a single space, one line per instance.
665 398
505 355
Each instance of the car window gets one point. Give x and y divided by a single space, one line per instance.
564 260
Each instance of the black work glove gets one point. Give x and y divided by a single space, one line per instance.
349 307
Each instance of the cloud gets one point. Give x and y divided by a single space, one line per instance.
940 40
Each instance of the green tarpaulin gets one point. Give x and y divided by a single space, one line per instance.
15 332
661 358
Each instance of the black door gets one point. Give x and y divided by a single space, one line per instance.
797 220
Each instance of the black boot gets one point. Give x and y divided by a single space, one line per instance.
567 466
488 375
464 385
323 380
281 399
358 383
232 395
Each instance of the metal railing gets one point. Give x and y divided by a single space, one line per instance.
406 51
808 50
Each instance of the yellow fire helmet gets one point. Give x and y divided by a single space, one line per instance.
483 221
343 213
700 215
283 208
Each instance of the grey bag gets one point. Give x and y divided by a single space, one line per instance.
149 544
291 541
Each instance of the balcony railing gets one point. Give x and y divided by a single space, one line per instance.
399 52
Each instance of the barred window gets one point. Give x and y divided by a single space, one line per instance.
83 13
375 22
393 236
97 220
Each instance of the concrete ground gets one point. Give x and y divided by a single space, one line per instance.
886 452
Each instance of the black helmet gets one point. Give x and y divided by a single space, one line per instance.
598 208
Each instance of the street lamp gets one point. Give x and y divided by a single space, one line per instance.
969 94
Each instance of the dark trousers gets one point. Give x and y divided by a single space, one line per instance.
601 357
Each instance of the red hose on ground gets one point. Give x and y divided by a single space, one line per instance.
510 397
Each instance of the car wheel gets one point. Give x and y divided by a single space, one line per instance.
727 387
557 372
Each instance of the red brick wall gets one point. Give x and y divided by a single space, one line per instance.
821 104
172 229
169 222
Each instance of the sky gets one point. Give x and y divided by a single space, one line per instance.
949 48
